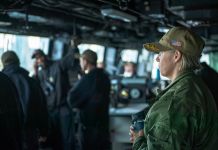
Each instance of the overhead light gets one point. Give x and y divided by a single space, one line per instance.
163 29
193 23
31 18
103 34
37 19
157 16
114 28
2 23
117 14
85 28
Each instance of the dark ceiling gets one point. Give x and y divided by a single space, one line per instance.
122 23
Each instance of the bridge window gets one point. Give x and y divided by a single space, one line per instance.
129 55
23 46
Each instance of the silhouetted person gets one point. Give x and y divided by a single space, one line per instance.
10 116
210 77
54 80
91 97
73 69
184 115
32 101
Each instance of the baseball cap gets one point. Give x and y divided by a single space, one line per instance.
9 57
180 38
37 52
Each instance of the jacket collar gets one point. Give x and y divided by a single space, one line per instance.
14 68
178 78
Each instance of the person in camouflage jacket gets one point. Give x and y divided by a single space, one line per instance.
184 115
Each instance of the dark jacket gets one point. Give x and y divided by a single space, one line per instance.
210 77
56 77
10 115
55 84
48 78
54 81
71 65
91 97
31 97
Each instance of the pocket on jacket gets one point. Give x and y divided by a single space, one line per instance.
155 143
160 131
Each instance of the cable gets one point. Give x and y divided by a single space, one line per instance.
13 4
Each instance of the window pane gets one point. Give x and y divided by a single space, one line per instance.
129 55
23 46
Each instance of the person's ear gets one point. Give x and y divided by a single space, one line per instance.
177 56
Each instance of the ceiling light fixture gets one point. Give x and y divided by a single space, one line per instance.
163 29
3 23
31 18
117 14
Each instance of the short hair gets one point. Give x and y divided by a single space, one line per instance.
189 62
130 63
10 57
90 56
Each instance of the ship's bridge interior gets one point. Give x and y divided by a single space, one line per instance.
116 30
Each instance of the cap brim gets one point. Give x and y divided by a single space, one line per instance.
33 56
155 47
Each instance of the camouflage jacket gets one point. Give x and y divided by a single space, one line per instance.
183 118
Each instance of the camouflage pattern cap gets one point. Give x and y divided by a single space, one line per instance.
178 38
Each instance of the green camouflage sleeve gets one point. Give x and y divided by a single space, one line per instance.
168 130
139 144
